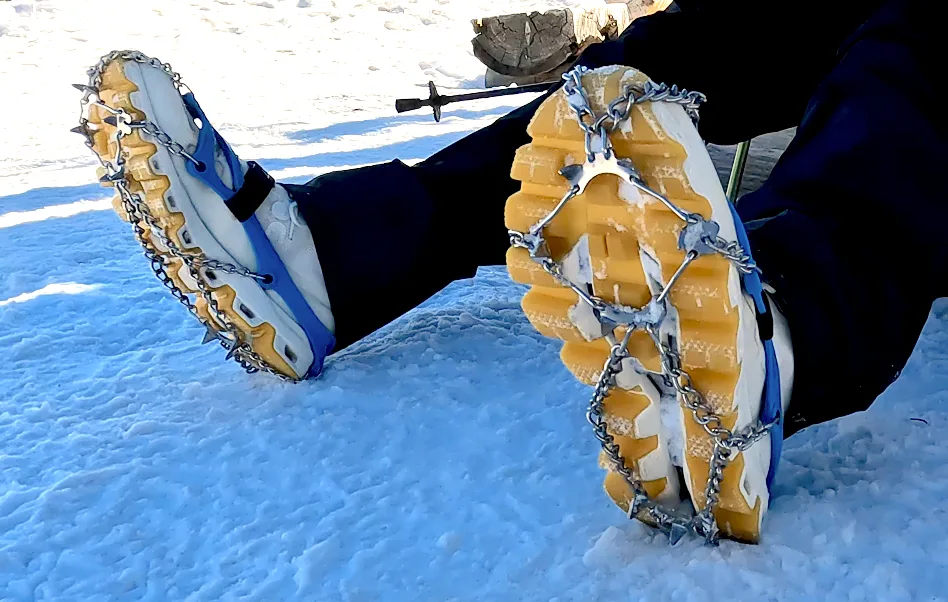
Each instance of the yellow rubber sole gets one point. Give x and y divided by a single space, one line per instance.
615 230
145 179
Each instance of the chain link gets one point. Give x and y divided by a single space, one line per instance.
166 141
223 328
702 239
597 128
733 252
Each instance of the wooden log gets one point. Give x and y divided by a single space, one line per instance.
530 43
522 45
492 79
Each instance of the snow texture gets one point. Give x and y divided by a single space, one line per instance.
446 457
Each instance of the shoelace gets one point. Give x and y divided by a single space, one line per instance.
295 222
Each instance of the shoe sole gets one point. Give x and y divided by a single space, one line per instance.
617 233
145 164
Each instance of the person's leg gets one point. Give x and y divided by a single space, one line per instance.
849 228
390 236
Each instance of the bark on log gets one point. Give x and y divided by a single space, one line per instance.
492 79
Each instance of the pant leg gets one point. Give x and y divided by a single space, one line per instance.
757 61
390 236
850 226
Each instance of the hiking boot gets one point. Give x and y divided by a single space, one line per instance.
598 271
220 233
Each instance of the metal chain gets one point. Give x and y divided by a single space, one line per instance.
228 335
166 141
733 252
726 442
699 238
597 128
652 92
95 72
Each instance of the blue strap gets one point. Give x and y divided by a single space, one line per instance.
204 153
321 341
770 411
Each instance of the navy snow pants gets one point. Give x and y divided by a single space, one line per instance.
850 228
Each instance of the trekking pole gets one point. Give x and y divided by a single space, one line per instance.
436 100
737 171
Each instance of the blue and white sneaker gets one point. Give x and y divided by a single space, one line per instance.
615 240
221 234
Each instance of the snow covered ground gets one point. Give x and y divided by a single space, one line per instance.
444 458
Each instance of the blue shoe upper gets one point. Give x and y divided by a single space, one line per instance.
321 341
771 403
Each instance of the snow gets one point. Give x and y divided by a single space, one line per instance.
446 457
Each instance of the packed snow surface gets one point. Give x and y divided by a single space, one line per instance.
444 458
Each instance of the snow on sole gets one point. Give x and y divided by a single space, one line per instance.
617 232
272 334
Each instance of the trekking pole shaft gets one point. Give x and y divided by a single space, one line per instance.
737 171
411 104
495 92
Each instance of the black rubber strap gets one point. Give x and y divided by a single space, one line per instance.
257 185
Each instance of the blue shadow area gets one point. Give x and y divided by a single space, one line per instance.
89 247
416 148
44 197
365 126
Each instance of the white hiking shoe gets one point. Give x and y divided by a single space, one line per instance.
220 233
647 271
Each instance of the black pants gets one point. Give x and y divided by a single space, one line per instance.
850 228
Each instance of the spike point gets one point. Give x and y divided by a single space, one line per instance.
232 351
675 533
111 178
210 336
84 88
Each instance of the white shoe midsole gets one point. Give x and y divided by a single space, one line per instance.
208 222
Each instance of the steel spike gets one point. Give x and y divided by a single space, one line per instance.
113 178
232 350
210 336
80 129
676 532
85 88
